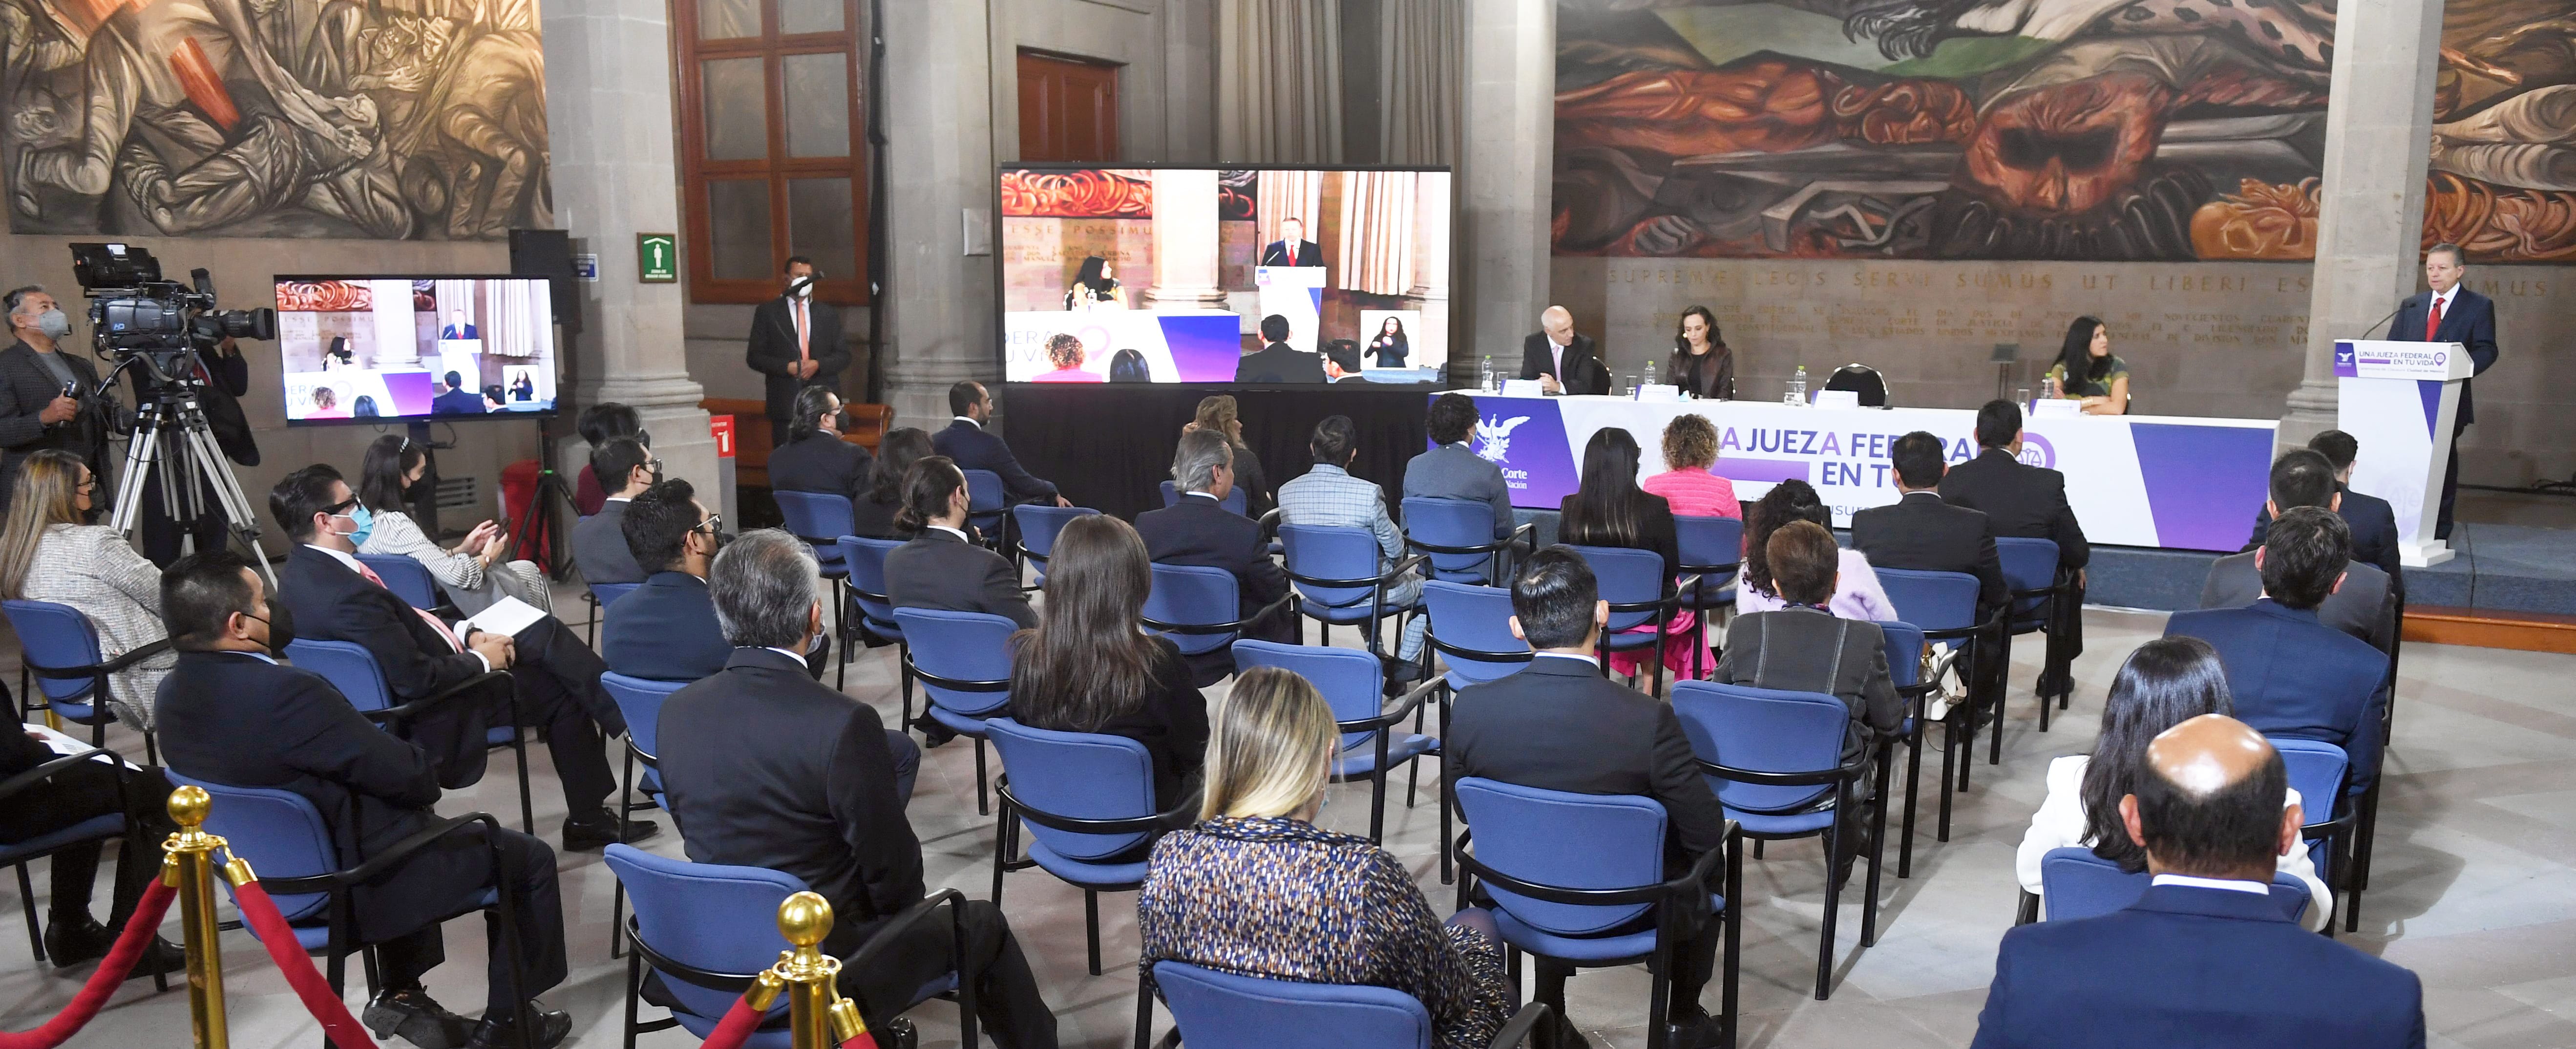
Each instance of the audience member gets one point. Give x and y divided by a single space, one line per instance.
1277 361
815 458
966 442
1088 667
1857 593
66 799
2022 501
766 767
1560 725
599 424
1690 452
599 540
1199 531
236 717
2292 675
475 575
1452 470
665 630
941 567
1924 534
1218 412
2373 521
2205 957
555 677
48 552
1327 496
2164 683
1610 510
873 514
1247 888
2365 606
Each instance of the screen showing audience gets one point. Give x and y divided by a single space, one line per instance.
1166 274
359 348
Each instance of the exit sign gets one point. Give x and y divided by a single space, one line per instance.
657 258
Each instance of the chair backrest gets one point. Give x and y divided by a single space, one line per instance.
2075 883
1710 542
1220 1010
1566 841
1863 380
1762 730
960 646
278 831
1080 775
1453 522
2029 564
1039 524
1626 577
815 517
713 918
1171 493
2316 771
56 636
1931 600
640 700
1331 552
983 492
608 593
1478 618
1194 595
348 666
1905 646
1353 682
407 578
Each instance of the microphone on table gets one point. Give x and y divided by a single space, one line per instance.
2374 325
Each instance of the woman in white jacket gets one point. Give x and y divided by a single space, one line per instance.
2164 683
474 574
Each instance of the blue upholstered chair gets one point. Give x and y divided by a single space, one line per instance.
1354 684
59 647
1222 1010
1905 647
2318 770
820 519
964 662
865 559
1235 502
1712 548
2030 571
640 700
987 508
1200 608
1087 803
1458 536
1633 582
1038 524
1335 571
407 578
1944 604
1472 627
2079 884
349 667
103 827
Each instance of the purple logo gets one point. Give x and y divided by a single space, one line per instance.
2036 451
2343 361
1527 441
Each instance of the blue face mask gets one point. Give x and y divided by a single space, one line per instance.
366 522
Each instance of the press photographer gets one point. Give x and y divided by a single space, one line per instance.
48 398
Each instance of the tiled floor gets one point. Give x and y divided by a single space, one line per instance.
2475 889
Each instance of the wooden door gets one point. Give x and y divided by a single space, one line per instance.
1068 109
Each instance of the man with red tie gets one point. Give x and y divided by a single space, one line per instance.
796 342
1292 248
2450 313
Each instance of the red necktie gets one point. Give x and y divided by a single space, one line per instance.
439 624
2433 319
1292 253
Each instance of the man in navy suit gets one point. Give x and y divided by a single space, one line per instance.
457 400
2373 521
2450 313
2291 674
666 629
1199 531
1292 248
2365 605
966 442
2204 958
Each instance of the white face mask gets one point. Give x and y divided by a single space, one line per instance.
801 288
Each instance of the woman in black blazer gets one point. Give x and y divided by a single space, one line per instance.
1610 510
1090 667
872 515
1701 363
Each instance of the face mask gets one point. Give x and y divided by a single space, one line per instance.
54 324
801 287
366 522
281 628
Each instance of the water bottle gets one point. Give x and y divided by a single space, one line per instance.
1798 386
1485 378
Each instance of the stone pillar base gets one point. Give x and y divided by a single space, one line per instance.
2310 410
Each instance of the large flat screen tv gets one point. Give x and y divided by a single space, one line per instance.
1168 274
374 349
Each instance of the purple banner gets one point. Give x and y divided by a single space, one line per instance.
410 391
2203 482
2431 391
1763 471
1526 438
1204 348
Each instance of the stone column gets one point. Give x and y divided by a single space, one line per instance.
939 310
1430 290
1508 149
2370 225
1185 241
609 110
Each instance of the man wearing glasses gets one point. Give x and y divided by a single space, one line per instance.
666 630
627 468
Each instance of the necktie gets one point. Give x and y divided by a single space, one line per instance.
435 623
1292 253
2433 319
804 332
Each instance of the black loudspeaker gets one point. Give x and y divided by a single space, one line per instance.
548 253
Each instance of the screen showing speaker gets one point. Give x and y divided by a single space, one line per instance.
1222 275
356 349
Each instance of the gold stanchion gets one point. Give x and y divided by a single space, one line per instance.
818 1017
189 868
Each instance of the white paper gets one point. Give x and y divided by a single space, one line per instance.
1838 398
506 617
1520 388
62 744
1659 393
2056 408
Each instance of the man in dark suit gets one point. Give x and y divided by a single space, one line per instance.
941 567
554 677
1562 361
815 458
2365 606
666 629
223 376
1561 725
231 715
2290 674
971 447
767 767
1199 531
1277 361
1451 470
2027 502
1292 248
2373 521
796 342
1923 533
2450 313
1342 361
599 540
2204 958
455 399
36 411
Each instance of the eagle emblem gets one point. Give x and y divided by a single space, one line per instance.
1494 437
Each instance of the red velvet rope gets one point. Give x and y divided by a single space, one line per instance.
736 1027
110 975
260 913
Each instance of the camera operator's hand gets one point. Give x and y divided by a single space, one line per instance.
61 410
494 648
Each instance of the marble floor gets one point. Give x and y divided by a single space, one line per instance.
2475 888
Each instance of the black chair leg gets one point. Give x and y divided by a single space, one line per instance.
527 805
1144 1011
1833 905
1877 849
1734 957
27 901
1913 783
1949 752
634 995
1002 852
982 807
1091 926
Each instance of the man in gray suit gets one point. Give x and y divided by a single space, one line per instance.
599 549
1454 471
2362 605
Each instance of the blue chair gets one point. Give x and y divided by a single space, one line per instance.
866 561
1712 548
1633 582
300 866
1905 648
1200 608
1235 502
1458 535
2031 572
2318 770
1472 627
1944 605
407 578
964 662
2079 884
24 851
59 646
1775 761
820 519
640 700
1574 876
1038 525
1335 570
1087 801
1354 684
349 667
602 595
710 930
987 507
1222 1010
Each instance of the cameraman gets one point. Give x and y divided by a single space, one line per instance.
226 377
35 411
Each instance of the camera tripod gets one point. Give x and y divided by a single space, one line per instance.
171 432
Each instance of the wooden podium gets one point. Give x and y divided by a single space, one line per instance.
2401 400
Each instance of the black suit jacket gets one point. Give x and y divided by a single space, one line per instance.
457 402
1799 649
2019 500
1922 533
1280 362
2470 322
938 570
1197 531
1560 725
1277 254
772 351
870 519
1584 372
975 448
227 378
665 630
2374 532
2363 606
766 767
821 462
332 603
599 546
26 387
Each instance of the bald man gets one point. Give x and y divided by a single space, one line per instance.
1562 361
2205 958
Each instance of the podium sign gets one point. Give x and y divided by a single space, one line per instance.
1297 293
2401 400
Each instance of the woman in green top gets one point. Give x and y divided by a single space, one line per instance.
2086 370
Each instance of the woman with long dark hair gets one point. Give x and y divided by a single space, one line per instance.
1095 287
873 515
1390 346
1700 364
2164 683
476 573
1089 667
1610 510
1857 593
2087 371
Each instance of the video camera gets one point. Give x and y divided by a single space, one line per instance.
133 310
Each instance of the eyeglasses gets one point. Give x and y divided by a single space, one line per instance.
653 465
87 484
342 509
713 525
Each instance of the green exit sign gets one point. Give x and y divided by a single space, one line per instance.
657 258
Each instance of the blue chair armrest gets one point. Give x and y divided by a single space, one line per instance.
377 865
1522 1027
45 771
402 712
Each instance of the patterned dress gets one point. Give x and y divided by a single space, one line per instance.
1284 899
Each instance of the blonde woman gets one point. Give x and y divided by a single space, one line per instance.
1218 413
1255 888
48 552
